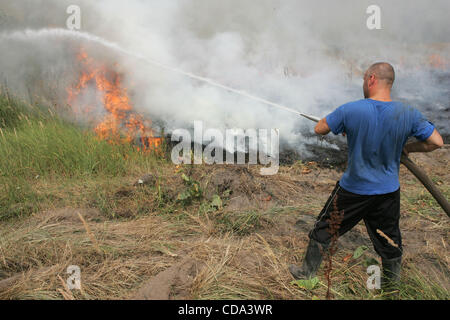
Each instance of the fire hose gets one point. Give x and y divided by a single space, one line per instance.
418 172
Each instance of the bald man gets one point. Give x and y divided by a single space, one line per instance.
377 129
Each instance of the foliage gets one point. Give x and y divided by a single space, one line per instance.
192 191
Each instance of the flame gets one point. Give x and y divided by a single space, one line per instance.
121 124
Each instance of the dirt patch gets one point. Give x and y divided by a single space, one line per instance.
71 215
8 282
20 278
171 284
349 241
235 180
244 188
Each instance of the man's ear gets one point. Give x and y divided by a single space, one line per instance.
372 80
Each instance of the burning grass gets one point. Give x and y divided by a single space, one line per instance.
121 124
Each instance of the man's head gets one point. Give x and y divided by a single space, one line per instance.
378 78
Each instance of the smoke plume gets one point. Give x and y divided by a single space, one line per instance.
307 55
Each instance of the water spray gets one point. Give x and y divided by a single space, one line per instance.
58 33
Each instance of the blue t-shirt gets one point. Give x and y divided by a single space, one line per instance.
376 134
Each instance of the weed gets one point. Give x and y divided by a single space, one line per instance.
334 223
192 191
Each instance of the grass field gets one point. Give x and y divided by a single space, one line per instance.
214 232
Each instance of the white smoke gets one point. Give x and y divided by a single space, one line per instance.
306 55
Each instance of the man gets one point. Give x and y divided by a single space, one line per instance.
377 129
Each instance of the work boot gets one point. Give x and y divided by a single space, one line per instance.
311 263
391 273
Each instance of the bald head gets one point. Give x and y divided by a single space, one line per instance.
378 81
382 71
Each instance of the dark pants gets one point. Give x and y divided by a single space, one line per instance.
379 212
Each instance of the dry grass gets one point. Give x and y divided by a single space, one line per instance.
240 258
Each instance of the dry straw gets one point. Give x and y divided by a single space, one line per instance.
389 240
90 234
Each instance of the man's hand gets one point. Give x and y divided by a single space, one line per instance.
405 151
322 127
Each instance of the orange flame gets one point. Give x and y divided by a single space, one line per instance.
121 124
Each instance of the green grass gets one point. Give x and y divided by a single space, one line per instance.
12 111
417 286
414 285
420 201
57 148
35 144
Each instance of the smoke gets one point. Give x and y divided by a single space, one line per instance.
306 55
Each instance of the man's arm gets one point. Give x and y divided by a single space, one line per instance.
434 142
322 127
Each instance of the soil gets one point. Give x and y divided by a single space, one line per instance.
71 215
171 284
